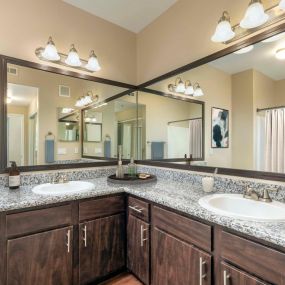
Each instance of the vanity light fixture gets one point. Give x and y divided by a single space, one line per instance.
280 54
244 50
73 57
185 88
49 53
86 100
255 15
224 31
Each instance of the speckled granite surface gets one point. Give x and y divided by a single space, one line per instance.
168 191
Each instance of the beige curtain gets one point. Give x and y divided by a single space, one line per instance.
275 140
195 138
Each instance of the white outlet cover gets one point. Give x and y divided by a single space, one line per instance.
61 151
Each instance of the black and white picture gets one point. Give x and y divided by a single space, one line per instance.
220 128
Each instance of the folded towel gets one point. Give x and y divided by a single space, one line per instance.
49 151
157 150
107 149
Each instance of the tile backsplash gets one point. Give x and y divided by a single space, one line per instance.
223 183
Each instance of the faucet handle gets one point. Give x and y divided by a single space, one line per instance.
265 197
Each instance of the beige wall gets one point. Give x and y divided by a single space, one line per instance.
27 25
183 34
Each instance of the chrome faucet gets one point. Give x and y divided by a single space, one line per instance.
60 179
249 193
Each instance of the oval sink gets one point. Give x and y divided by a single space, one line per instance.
70 187
234 205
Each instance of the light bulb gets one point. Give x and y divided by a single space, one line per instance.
73 57
254 15
93 64
50 52
224 31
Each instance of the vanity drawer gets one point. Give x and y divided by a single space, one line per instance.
138 208
104 207
38 220
186 229
257 259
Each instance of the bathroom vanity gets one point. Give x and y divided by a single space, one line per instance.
94 236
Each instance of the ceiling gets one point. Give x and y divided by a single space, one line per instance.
133 15
261 58
21 95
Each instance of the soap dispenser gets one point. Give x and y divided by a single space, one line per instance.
14 176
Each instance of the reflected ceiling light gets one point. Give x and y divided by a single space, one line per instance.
86 100
282 5
224 31
179 86
244 50
198 92
274 38
93 64
254 15
280 54
66 110
9 100
50 52
73 57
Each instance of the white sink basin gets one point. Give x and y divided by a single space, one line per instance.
234 205
71 187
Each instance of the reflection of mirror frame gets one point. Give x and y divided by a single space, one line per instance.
143 87
5 60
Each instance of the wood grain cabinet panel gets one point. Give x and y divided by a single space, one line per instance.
138 248
175 262
101 248
44 258
233 276
38 220
255 258
138 208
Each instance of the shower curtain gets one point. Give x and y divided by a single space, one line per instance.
195 138
275 140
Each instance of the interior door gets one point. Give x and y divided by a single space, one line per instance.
171 260
102 247
138 248
44 258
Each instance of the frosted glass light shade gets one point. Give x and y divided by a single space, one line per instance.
189 90
73 58
198 91
223 33
254 16
93 64
180 87
282 5
50 52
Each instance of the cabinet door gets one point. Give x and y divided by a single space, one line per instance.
44 258
171 259
138 248
102 247
201 267
233 276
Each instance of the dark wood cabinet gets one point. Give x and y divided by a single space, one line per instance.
138 248
178 263
233 276
44 258
101 248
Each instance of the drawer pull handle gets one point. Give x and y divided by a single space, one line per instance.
85 235
68 241
142 235
135 208
226 277
202 274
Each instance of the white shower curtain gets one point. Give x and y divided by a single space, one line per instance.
275 140
195 138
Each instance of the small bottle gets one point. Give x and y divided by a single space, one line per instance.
14 176
132 168
120 173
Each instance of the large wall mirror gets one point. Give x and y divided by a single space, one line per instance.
244 97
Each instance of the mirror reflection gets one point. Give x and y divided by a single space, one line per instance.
244 106
44 115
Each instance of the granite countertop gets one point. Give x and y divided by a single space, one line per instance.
179 196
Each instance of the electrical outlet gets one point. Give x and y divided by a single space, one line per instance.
61 151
